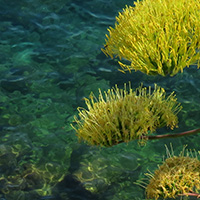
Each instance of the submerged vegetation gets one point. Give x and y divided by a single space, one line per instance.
157 36
177 176
121 115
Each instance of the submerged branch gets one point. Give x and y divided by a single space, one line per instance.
186 133
190 194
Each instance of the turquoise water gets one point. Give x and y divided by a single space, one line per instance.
50 59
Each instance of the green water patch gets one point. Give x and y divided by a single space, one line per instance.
50 61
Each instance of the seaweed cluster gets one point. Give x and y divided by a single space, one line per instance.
122 115
178 175
156 36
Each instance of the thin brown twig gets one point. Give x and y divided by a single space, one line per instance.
186 133
156 137
190 194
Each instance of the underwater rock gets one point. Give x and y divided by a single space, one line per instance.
21 195
13 84
97 171
7 158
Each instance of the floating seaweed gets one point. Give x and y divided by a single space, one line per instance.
157 37
122 115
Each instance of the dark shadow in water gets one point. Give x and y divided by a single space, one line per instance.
74 189
70 186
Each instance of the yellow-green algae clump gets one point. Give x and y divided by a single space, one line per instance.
177 176
157 36
122 115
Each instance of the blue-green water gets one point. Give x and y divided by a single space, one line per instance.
50 59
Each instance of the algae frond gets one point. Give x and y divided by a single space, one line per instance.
122 115
177 176
156 36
